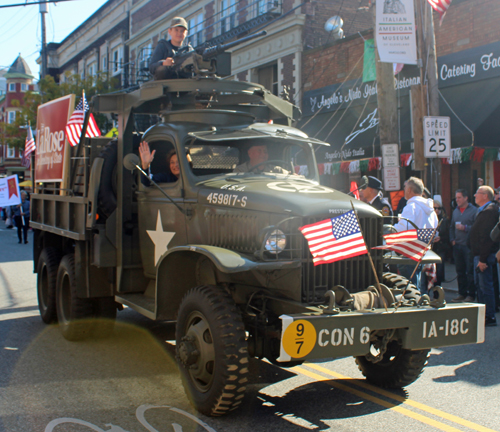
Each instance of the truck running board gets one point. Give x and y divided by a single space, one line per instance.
138 302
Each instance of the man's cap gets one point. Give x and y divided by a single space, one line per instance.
178 22
374 182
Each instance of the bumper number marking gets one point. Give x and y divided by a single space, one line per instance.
299 338
450 328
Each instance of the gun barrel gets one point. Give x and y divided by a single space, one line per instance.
217 49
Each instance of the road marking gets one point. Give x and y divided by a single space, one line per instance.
398 398
378 401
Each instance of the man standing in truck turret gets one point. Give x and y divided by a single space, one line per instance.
162 61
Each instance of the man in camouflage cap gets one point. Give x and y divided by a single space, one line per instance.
371 194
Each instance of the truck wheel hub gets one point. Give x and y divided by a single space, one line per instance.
188 353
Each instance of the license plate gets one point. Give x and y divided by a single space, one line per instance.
348 333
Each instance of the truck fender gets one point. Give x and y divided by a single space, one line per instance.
184 267
228 261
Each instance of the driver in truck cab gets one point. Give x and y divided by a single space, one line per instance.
258 156
162 61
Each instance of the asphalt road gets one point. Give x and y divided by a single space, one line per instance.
130 382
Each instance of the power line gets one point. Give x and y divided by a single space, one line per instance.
34 3
17 22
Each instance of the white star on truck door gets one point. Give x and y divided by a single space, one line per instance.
160 238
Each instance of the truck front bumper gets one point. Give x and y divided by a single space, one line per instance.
306 337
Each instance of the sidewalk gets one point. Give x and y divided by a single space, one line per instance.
450 275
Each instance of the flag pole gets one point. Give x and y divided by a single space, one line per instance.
371 261
418 263
80 143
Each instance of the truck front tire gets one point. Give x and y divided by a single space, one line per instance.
46 270
212 350
398 368
74 314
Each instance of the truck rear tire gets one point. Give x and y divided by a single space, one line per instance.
107 189
398 368
212 350
74 314
48 263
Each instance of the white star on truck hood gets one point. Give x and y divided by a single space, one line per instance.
160 238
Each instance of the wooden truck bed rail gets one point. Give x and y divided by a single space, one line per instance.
62 215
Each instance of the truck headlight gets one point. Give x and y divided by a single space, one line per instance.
275 241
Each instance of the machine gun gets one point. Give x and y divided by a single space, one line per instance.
203 61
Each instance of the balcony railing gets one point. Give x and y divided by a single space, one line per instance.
227 24
233 21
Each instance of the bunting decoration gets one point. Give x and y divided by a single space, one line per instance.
458 155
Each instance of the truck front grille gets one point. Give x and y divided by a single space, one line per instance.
354 274
233 231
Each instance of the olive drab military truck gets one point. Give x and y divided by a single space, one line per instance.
219 252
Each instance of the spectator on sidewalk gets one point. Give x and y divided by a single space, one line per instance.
461 222
483 248
441 244
22 218
419 211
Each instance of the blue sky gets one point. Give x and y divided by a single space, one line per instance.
20 27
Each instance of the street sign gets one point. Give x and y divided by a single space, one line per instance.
390 155
437 142
392 181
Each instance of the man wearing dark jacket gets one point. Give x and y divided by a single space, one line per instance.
483 249
461 222
371 194
162 61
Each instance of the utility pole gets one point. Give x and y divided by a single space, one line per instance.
432 85
44 8
386 96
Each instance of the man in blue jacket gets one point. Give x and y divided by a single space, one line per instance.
461 222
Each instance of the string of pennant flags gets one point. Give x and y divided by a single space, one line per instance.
458 155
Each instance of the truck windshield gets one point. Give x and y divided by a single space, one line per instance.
251 157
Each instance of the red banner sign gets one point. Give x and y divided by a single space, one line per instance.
12 186
52 149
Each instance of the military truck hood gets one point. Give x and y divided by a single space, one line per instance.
278 193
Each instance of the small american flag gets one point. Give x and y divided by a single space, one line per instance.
335 239
75 123
411 243
431 273
440 6
29 147
30 143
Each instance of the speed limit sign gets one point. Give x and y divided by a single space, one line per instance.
437 142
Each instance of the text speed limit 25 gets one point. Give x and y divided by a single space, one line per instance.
437 142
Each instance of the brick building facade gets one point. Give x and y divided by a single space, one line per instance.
19 80
469 37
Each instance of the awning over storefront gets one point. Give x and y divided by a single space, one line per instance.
474 106
345 115
353 133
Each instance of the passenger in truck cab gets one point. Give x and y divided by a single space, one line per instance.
171 173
